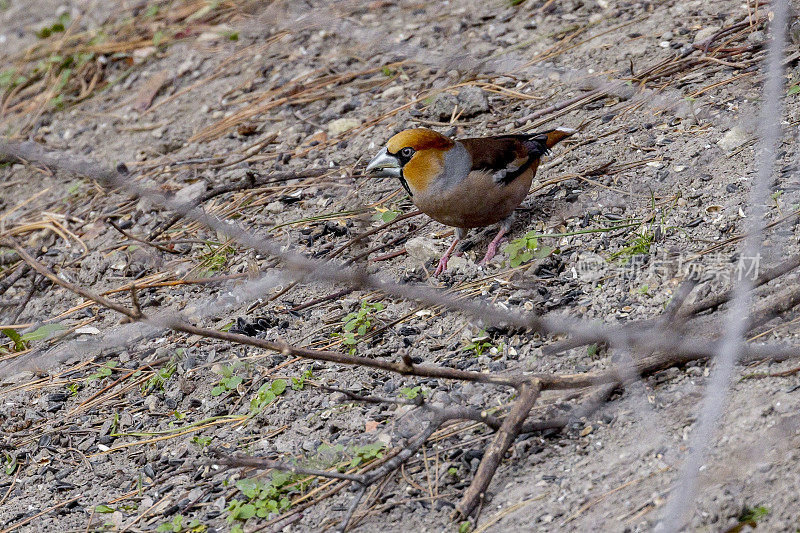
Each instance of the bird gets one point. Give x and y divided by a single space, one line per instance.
466 183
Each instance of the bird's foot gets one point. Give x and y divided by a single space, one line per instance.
491 251
442 265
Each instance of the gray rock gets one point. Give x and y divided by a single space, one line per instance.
422 249
733 139
191 192
472 101
757 37
442 106
705 34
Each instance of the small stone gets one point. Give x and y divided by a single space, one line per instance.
732 140
757 37
392 92
705 34
472 101
274 207
585 431
140 54
342 125
422 249
191 192
442 106
151 403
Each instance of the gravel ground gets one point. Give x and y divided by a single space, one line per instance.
113 424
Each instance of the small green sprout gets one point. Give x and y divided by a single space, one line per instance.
357 324
103 372
177 525
229 380
300 383
525 248
412 392
385 215
266 394
480 344
58 26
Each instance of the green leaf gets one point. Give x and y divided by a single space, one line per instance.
249 487
19 344
246 511
44 332
794 89
103 508
232 382
219 389
278 386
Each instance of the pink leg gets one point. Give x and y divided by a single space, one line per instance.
492 250
443 261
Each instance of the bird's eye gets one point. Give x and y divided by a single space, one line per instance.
406 152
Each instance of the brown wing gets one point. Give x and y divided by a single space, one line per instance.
505 157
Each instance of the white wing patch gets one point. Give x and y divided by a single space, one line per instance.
502 175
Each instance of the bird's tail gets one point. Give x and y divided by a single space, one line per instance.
557 135
540 143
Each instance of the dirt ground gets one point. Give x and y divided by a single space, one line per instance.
106 426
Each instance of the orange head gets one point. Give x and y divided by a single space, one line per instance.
415 156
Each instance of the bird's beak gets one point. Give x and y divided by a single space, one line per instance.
385 164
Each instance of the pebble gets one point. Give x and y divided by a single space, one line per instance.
342 125
705 34
422 249
733 139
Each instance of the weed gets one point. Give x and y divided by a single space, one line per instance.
385 215
229 380
752 516
638 245
592 350
263 497
9 464
216 258
794 89
9 78
42 333
412 392
266 395
177 525
480 344
357 324
162 375
103 372
300 383
59 26
388 72
328 456
366 453
525 248
201 442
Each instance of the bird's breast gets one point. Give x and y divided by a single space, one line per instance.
476 201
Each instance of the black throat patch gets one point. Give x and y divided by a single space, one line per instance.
404 183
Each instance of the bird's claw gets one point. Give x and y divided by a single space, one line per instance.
491 251
442 265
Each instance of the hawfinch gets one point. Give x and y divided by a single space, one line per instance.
468 183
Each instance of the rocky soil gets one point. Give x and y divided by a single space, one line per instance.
106 426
